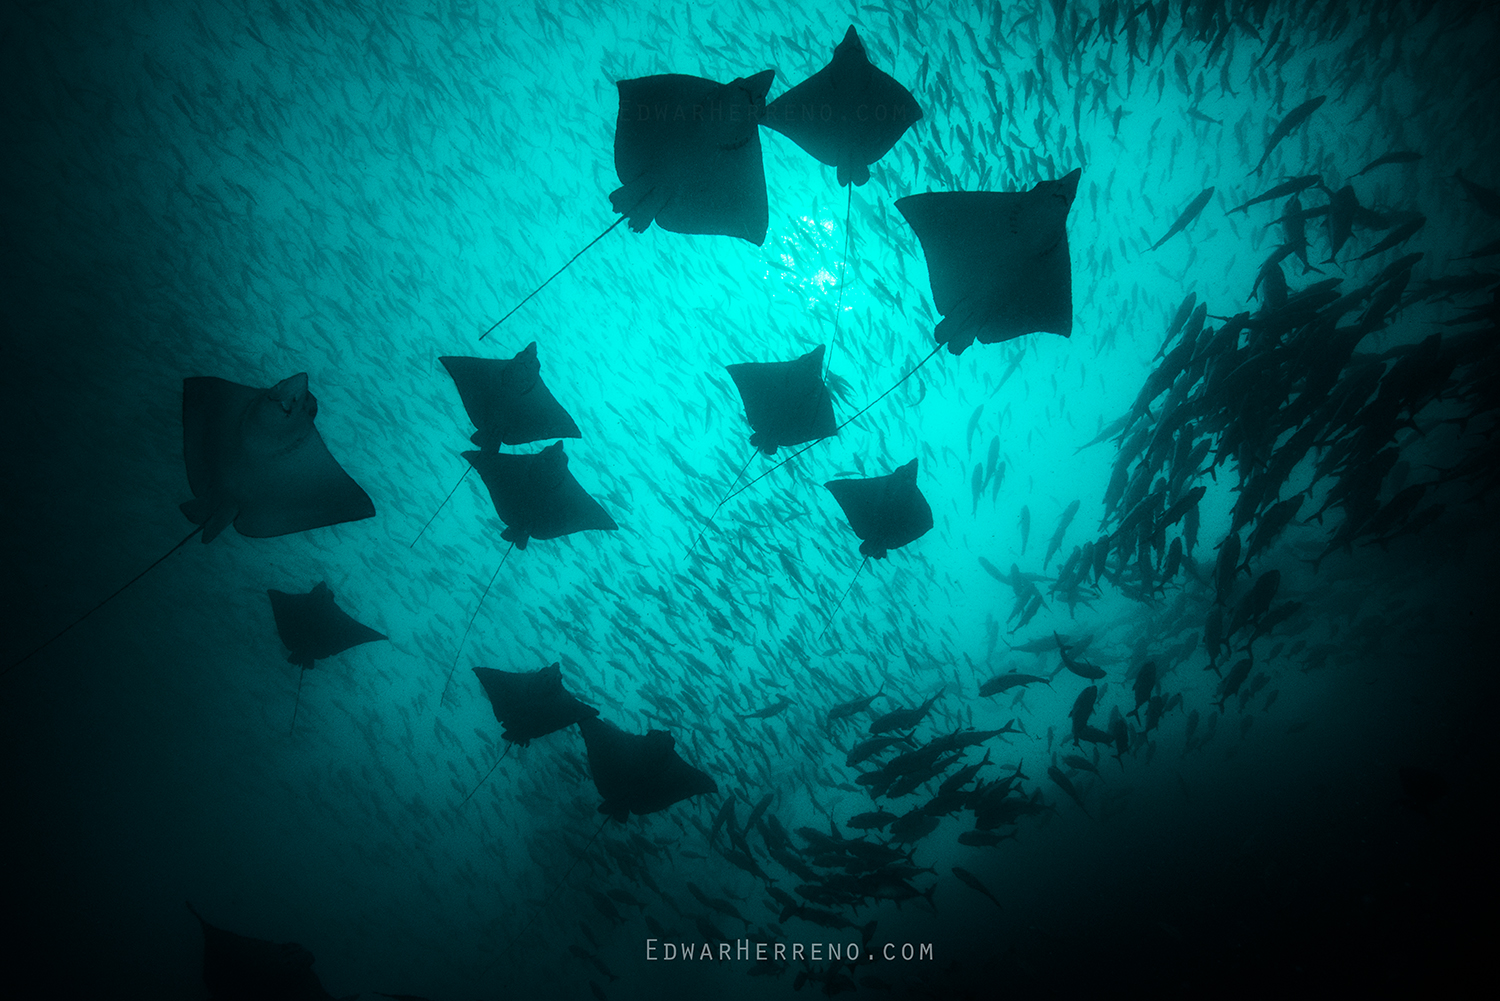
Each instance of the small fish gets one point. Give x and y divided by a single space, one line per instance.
1083 706
868 748
1055 544
1488 250
724 816
869 821
903 719
1400 157
1082 668
1396 237
603 906
1145 681
844 710
1486 198
1231 684
991 569
760 808
1005 682
1025 530
776 708
1080 762
1179 318
1298 115
1296 185
1188 215
1343 205
971 880
1062 782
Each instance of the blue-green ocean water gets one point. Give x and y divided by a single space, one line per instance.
350 190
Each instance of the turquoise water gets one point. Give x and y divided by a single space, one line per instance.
251 192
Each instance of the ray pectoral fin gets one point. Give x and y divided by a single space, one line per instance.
720 194
1050 284
748 183
759 85
298 490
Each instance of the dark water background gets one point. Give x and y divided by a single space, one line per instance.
350 190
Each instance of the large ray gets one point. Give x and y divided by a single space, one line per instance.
507 400
848 114
313 627
786 402
240 968
687 152
531 704
998 260
537 497
639 773
254 459
528 705
886 512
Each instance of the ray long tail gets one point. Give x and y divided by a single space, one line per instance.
549 279
834 614
121 590
710 520
440 507
487 775
555 890
457 653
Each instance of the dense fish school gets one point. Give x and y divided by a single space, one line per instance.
1007 516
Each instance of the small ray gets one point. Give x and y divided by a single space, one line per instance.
998 260
255 460
847 115
639 773
687 152
886 512
786 402
537 497
507 400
